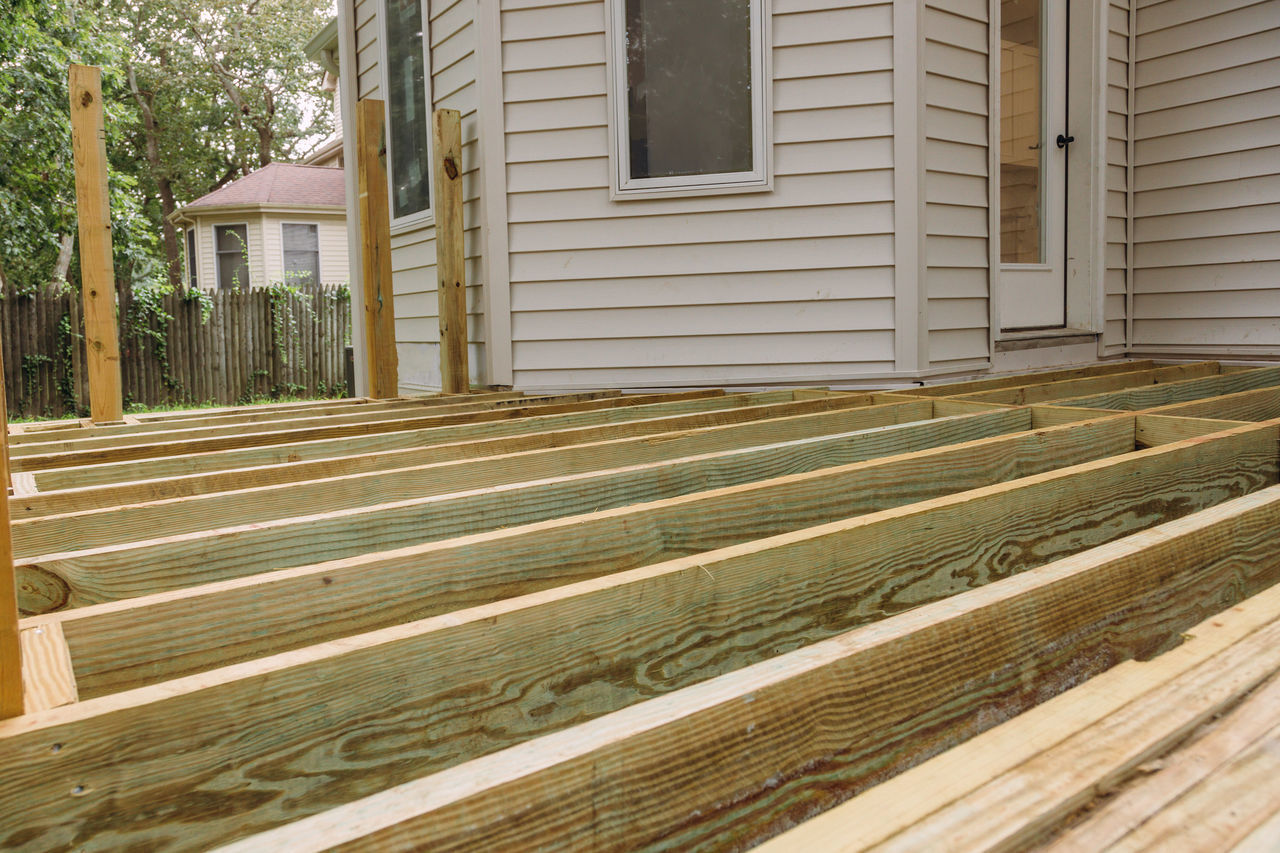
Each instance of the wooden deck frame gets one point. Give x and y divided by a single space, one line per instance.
1047 392
991 383
1109 497
1141 399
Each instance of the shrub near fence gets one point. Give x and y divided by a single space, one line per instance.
223 347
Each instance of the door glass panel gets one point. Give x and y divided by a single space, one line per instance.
1021 132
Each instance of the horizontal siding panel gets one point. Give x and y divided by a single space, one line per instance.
702 350
1256 275
958 314
1212 30
952 345
832 25
1215 196
1220 304
824 60
960 31
1259 219
1246 136
957 283
1243 50
1208 250
1260 332
1211 169
700 375
1206 87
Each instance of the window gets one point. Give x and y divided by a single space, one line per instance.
408 111
301 253
191 258
231 245
690 95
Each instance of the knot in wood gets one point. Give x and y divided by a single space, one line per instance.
86 98
450 168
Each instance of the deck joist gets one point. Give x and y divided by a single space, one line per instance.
939 616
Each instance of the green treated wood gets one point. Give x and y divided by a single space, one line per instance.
252 504
124 645
1139 399
1045 392
974 386
714 411
1154 430
407 701
319 449
1262 404
140 568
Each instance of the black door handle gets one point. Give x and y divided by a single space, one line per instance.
1064 141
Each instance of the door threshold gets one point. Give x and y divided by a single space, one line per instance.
1036 338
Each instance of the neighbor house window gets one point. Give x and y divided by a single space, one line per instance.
408 110
231 245
301 253
191 258
690 94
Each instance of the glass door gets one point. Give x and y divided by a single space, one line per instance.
1033 141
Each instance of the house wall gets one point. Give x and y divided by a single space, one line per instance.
1116 251
956 189
413 254
1207 177
793 284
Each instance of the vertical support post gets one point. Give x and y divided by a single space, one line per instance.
375 230
451 276
97 275
10 650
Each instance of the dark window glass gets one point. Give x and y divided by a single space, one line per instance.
689 87
407 104
191 258
231 243
301 254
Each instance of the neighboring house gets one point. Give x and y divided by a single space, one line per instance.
665 193
283 222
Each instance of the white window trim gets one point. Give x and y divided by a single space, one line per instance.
319 255
759 179
248 249
425 218
191 245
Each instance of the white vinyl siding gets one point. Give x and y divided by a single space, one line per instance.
1117 202
793 284
1207 177
957 279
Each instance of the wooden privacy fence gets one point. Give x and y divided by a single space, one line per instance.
225 347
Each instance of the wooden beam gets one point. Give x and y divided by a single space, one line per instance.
97 270
1154 430
375 233
252 503
886 810
1262 404
1010 380
451 274
11 699
569 654
1044 392
799 729
715 411
131 569
1043 416
124 645
1138 399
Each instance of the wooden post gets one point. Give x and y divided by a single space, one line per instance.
10 651
451 277
375 231
97 276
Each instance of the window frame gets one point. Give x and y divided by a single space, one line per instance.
191 240
760 179
284 271
217 255
427 217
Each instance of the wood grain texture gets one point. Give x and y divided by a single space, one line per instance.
451 273
1153 430
799 731
140 568
258 503
975 386
1047 416
11 695
901 802
1262 404
374 210
124 645
729 409
97 269
524 667
289 452
1067 388
1176 392
48 680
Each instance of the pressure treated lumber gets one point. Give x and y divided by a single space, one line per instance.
1190 764
451 273
129 570
375 249
991 383
799 730
1262 404
11 701
463 429
254 504
1045 416
719 411
526 408
97 270
124 645
1062 389
1153 430
107 437
903 801
1137 399
412 699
